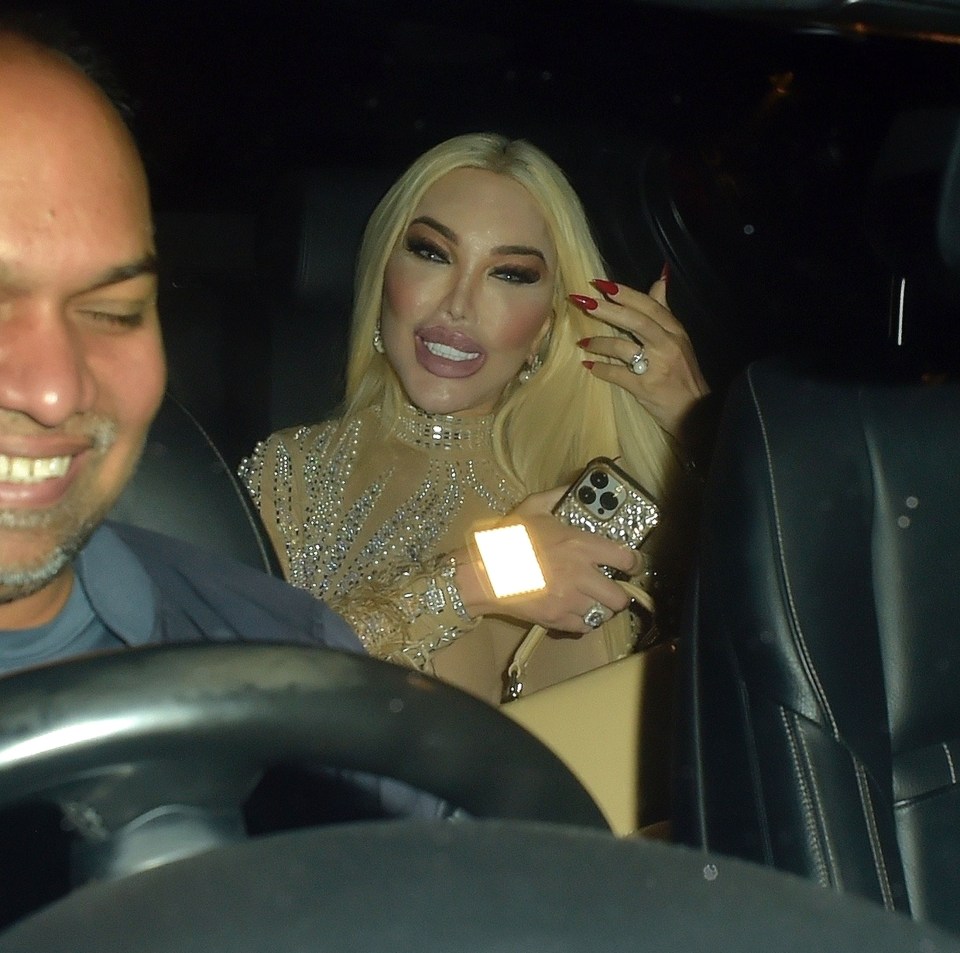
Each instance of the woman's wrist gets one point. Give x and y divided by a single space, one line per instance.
470 581
444 589
693 444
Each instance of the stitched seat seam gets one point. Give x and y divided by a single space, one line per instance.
800 639
950 766
808 800
873 835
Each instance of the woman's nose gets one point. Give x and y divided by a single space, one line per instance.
459 303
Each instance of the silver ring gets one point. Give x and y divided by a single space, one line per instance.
639 362
595 616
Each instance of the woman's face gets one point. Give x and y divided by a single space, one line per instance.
467 292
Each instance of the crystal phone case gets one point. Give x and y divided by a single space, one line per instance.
605 499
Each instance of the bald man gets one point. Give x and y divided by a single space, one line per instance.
82 374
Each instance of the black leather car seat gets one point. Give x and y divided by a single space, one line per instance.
184 488
820 728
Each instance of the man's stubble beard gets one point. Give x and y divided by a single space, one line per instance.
17 582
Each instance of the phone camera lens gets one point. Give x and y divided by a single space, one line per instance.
599 479
586 495
609 501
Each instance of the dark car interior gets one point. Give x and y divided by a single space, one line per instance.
769 162
797 165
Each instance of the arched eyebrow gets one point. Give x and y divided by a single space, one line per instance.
451 236
448 233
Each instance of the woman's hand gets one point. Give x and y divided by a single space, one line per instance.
665 378
570 559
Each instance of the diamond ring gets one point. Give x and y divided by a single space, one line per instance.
595 616
639 362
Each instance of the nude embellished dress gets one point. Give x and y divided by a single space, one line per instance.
363 513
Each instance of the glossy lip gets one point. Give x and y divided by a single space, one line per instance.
444 367
48 492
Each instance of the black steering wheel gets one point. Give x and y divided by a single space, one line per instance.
155 748
151 753
483 886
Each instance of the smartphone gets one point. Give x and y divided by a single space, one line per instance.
605 499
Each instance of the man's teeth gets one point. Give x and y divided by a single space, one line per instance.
32 469
450 353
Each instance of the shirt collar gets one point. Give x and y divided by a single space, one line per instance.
117 587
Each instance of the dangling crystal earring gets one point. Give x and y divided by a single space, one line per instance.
529 370
378 341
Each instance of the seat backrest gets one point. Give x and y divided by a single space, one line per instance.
821 659
184 488
310 234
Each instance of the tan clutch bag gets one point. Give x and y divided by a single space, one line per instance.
598 724
610 725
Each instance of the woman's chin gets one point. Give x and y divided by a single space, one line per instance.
453 409
450 405
442 398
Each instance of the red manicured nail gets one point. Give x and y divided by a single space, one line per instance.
582 301
583 342
605 287
665 274
587 364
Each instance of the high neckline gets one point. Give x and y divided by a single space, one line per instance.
442 432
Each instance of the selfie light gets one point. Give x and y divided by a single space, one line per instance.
509 560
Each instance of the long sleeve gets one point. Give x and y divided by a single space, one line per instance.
369 541
268 474
408 615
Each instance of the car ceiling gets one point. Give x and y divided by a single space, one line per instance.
374 80
918 18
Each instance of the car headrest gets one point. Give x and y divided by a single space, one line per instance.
948 218
184 488
913 220
912 214
310 233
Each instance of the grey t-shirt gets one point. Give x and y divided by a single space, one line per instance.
111 606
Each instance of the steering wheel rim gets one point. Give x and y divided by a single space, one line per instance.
477 886
114 736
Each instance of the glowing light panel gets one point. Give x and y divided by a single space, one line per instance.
509 560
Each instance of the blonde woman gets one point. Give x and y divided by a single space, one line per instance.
490 360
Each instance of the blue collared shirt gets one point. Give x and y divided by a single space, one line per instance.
110 606
118 588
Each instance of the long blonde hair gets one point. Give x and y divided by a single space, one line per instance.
545 430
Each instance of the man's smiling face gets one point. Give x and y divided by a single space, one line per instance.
81 359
